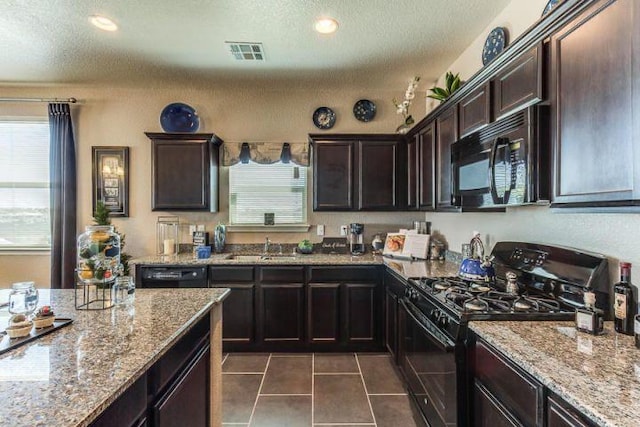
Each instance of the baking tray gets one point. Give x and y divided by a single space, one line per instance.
9 344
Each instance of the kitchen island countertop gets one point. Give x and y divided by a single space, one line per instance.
68 377
599 375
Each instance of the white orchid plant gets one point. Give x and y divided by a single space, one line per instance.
403 107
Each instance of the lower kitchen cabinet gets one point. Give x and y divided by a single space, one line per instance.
238 310
323 316
503 393
282 313
173 392
361 313
562 414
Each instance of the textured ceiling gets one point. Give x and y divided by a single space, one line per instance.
380 43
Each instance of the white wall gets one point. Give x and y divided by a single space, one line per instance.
614 235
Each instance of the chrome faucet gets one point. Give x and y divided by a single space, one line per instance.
267 245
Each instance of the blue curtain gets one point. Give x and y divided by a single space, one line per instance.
62 164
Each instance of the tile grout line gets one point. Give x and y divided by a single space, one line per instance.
313 377
366 391
224 359
284 394
336 373
244 373
388 394
253 410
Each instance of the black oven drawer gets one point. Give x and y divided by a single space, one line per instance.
520 394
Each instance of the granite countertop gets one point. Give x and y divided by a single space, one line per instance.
70 376
599 375
227 259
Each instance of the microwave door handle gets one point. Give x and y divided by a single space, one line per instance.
497 143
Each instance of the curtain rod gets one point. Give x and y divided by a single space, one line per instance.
69 100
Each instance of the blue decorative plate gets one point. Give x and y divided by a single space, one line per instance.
179 117
550 6
324 118
364 110
495 43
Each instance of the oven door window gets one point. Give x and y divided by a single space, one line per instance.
430 372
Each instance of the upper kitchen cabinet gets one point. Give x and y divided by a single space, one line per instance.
518 84
596 100
475 110
420 167
184 171
446 134
358 172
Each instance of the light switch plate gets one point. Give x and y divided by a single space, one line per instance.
320 230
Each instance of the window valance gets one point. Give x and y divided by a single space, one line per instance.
265 153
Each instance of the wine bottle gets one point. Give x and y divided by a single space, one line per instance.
624 307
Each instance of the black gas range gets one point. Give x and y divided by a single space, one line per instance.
533 282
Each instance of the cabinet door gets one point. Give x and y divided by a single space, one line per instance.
378 175
187 400
361 313
426 148
324 313
238 312
595 97
561 414
475 110
413 165
519 84
333 175
487 411
447 134
282 313
391 323
184 172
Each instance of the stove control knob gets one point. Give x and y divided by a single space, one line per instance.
443 321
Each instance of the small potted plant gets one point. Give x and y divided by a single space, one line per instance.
452 83
305 247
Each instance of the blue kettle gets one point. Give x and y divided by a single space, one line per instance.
477 266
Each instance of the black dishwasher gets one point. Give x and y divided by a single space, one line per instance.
171 277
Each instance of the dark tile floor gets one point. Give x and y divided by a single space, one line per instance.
291 390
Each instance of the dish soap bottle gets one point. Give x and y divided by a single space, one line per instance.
590 319
623 302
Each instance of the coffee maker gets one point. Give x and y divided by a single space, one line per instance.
356 238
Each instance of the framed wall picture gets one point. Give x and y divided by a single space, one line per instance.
111 179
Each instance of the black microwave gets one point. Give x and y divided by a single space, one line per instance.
504 164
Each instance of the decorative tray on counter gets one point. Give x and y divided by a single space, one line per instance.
7 343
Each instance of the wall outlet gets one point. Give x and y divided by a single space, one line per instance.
320 230
343 230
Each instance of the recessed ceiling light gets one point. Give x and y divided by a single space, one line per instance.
326 25
103 23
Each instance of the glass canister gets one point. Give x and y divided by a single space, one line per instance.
98 254
124 291
167 235
23 298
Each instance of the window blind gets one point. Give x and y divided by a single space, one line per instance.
278 188
24 185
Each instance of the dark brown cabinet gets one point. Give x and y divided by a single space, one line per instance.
282 305
446 134
345 308
358 172
239 308
506 393
184 171
420 168
173 392
475 110
519 84
561 414
596 107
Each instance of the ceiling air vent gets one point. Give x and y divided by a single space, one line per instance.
245 51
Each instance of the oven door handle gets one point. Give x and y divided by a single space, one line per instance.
447 346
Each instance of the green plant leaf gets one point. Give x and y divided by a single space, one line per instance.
455 85
434 96
440 91
448 79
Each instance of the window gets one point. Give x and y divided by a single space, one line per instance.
256 190
24 185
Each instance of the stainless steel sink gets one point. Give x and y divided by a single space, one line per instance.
256 258
247 258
